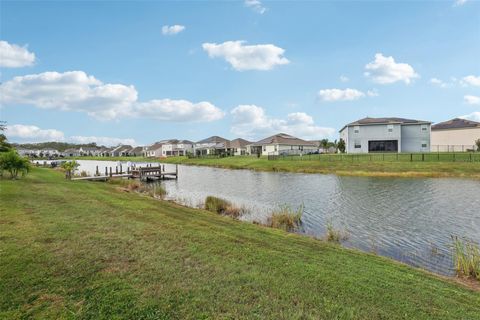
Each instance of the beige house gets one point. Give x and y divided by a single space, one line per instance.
455 135
239 146
282 144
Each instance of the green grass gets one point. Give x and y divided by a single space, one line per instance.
381 165
87 250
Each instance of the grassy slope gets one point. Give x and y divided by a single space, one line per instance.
362 168
86 250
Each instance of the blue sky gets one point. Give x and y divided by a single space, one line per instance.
142 71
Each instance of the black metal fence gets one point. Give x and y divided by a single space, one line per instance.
405 157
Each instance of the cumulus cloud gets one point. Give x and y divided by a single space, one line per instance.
77 91
102 141
438 82
474 116
247 57
469 99
344 78
171 30
256 6
471 80
31 134
331 95
179 110
458 3
251 121
14 56
385 70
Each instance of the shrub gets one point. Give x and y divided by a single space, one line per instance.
70 167
334 235
12 162
217 205
286 218
466 256
222 206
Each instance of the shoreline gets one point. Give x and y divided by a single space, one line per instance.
380 169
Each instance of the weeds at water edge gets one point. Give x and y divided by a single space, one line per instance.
466 255
286 218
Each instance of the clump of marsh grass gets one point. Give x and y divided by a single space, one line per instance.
223 207
466 255
286 218
335 235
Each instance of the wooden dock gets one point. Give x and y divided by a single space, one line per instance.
147 173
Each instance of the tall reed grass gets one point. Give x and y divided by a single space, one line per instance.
335 235
224 207
466 255
286 218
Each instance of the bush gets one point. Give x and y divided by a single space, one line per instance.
334 235
286 218
222 206
70 167
466 256
12 162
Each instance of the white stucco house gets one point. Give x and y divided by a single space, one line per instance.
239 146
176 147
386 135
212 145
281 143
455 135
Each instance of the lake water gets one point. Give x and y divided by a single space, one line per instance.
410 220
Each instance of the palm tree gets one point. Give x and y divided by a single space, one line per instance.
12 162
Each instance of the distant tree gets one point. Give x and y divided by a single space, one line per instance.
4 145
341 145
324 144
477 142
70 167
12 162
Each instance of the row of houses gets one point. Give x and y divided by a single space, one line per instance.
362 136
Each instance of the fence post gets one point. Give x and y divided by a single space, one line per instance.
106 171
97 172
423 156
110 171
411 157
454 157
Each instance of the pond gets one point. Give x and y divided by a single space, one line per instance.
410 220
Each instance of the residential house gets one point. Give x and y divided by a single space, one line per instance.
386 135
214 145
72 152
239 146
176 147
154 151
136 152
455 135
282 143
88 151
121 151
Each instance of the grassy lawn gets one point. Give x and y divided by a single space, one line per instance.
85 250
361 166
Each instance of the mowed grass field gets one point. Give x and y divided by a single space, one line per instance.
381 165
88 250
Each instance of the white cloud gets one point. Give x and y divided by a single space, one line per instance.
33 133
471 80
247 57
14 56
344 78
438 82
256 6
77 91
469 99
171 30
101 141
458 3
373 93
474 116
385 70
251 122
179 110
331 95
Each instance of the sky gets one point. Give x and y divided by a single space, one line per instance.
136 72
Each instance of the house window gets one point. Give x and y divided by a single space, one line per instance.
356 129
424 128
390 128
275 147
264 148
424 144
300 148
357 145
